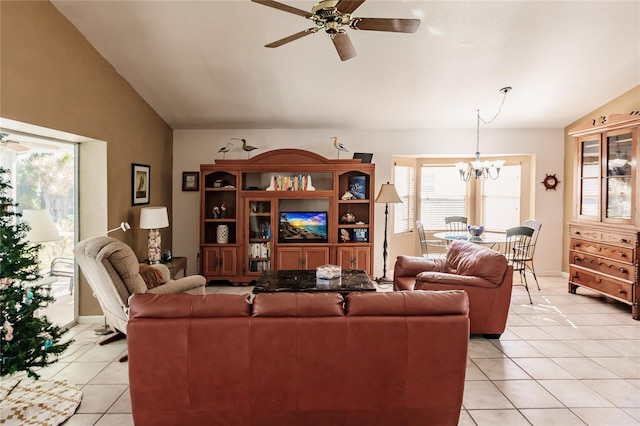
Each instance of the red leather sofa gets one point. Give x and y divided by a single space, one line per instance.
298 358
483 273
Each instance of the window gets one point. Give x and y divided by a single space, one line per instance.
496 204
404 178
500 199
442 194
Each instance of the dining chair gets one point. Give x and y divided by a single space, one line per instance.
63 267
518 248
535 225
438 247
456 223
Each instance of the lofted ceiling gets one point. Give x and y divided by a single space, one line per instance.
203 64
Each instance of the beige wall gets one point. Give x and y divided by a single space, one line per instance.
623 104
194 147
50 76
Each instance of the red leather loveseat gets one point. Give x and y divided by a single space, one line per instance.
483 273
298 359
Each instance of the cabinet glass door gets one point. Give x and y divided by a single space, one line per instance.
618 178
260 236
589 178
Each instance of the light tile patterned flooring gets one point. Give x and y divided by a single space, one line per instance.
565 360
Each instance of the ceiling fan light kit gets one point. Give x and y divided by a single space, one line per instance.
332 15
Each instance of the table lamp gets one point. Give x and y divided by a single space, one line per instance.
154 218
42 227
387 194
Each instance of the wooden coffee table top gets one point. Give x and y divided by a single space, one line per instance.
305 280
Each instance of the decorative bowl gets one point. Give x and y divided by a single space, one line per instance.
475 230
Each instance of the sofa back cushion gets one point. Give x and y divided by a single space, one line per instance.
452 302
184 305
464 258
298 305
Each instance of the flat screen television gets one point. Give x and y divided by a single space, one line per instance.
302 227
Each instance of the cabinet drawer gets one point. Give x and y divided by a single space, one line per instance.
627 240
624 254
591 234
626 271
612 287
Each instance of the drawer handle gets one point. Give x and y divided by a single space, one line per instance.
577 232
576 259
576 245
598 280
622 292
624 240
623 270
575 276
623 254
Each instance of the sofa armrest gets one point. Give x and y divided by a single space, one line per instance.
180 285
410 266
452 279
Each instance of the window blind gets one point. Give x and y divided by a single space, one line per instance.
500 199
404 178
442 194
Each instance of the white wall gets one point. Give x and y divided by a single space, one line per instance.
194 147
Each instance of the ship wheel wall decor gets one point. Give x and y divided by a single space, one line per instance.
550 182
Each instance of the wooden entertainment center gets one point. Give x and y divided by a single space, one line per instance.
248 210
604 251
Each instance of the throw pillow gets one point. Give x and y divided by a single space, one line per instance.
151 276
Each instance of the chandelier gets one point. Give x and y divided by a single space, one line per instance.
482 169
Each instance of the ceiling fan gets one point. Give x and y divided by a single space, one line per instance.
332 15
23 146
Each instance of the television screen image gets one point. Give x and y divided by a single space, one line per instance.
302 227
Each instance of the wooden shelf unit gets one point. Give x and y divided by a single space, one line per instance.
604 252
252 213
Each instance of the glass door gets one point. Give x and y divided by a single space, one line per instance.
589 177
260 246
618 178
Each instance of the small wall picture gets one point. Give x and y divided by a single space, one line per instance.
357 187
361 235
190 181
140 184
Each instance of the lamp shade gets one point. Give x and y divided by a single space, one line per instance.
154 218
388 194
42 227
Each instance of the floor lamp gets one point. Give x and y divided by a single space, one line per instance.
387 194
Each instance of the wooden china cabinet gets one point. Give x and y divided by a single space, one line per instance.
252 233
605 233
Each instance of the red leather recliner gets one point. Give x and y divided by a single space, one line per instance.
483 273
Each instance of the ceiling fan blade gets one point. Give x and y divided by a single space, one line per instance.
292 37
348 6
284 7
343 45
395 25
40 145
14 146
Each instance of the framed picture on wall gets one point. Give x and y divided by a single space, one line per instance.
190 181
140 184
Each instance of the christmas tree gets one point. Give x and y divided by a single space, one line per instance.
27 339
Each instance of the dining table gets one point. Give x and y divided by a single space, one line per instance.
493 239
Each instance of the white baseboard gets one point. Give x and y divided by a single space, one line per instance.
91 319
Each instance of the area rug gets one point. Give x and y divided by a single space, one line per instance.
37 402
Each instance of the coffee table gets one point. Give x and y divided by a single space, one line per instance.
305 280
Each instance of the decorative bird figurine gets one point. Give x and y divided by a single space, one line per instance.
225 149
338 146
246 147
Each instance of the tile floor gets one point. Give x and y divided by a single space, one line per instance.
565 360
